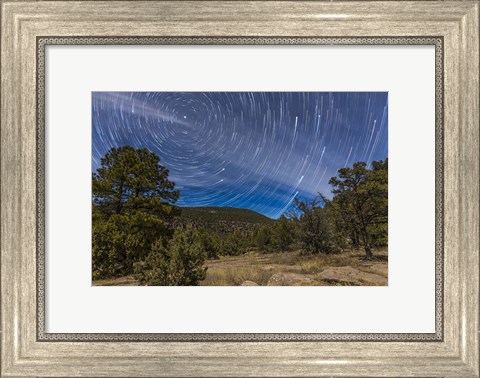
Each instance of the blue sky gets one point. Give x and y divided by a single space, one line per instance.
253 150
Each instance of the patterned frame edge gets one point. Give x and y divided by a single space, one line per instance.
42 336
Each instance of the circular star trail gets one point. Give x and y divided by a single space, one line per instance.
253 150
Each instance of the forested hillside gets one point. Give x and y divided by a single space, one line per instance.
222 214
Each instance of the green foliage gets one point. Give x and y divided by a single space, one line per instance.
378 234
361 201
210 243
188 257
108 249
318 233
275 237
157 268
263 238
132 203
233 245
121 240
179 262
283 234
358 211
132 179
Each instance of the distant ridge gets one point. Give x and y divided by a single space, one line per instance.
222 214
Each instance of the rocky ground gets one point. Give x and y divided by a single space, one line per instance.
289 269
294 269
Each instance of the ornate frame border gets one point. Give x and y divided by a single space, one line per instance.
42 42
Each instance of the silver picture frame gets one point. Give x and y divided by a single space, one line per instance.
28 27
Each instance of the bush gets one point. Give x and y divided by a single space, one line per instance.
108 250
321 235
263 239
179 262
121 240
318 231
155 270
233 245
211 244
282 234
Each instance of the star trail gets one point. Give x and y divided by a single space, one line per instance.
252 150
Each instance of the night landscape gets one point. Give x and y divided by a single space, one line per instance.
240 188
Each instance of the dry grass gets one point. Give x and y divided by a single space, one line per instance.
259 268
121 281
232 276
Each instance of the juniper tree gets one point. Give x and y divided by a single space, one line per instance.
361 197
178 262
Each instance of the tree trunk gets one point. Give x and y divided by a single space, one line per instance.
368 250
366 242
355 239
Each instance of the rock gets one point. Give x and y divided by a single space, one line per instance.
351 276
289 279
249 283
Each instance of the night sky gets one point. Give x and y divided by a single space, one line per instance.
253 150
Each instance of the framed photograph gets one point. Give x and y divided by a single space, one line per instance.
226 188
240 188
